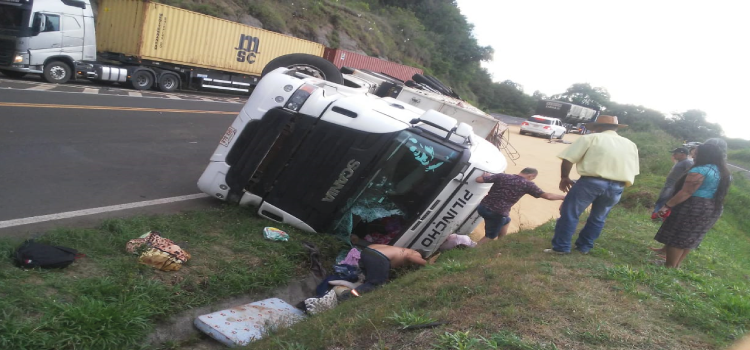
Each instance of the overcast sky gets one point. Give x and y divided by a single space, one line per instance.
667 55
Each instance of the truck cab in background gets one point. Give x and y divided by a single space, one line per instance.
46 37
325 157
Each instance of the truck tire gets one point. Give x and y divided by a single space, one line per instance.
56 72
141 80
168 82
308 64
13 74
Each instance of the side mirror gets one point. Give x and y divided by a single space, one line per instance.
40 23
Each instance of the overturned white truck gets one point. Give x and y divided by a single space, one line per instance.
325 157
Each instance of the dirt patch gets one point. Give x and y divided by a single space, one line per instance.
536 152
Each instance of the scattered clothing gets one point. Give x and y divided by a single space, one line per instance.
688 223
275 234
158 252
352 258
455 240
341 272
317 305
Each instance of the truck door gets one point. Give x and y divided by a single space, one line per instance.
48 41
72 37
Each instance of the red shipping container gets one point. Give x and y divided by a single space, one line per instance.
343 58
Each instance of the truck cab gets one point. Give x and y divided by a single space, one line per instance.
46 37
325 157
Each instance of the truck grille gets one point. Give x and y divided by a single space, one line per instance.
7 50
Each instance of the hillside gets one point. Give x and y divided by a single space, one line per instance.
613 298
429 34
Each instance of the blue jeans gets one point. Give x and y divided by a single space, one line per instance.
493 222
602 195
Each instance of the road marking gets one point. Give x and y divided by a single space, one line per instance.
134 94
42 87
90 91
114 92
131 109
92 211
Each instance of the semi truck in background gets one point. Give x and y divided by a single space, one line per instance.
570 114
146 45
369 158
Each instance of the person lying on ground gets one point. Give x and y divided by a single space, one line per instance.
506 191
376 262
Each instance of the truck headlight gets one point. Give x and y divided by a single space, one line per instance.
300 96
18 59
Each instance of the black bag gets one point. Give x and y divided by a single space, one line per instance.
31 254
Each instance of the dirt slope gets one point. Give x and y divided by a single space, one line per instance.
536 152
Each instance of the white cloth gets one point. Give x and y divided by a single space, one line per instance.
455 240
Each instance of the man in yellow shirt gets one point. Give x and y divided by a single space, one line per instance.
607 163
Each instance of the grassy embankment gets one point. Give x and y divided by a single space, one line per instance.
614 297
109 301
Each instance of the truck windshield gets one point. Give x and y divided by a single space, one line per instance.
402 186
13 17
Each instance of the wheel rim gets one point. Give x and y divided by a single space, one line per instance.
57 73
169 83
142 80
309 70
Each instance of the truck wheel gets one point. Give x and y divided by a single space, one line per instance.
142 80
56 72
308 64
12 74
168 82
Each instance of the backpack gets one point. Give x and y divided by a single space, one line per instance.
32 254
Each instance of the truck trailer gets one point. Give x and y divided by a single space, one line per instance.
329 158
142 44
570 114
147 45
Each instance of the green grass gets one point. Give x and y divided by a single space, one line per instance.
613 298
109 301
740 157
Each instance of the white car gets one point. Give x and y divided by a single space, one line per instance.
546 126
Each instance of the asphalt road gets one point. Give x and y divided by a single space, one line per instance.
63 152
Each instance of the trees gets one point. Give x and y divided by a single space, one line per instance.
692 125
584 94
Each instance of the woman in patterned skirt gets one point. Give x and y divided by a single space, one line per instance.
696 206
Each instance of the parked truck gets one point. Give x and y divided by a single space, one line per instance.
141 44
325 157
570 114
147 45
